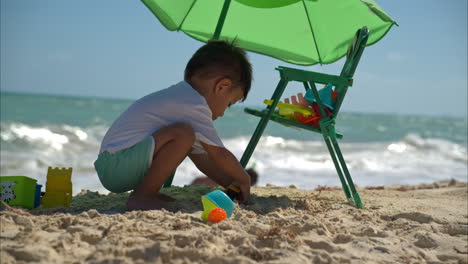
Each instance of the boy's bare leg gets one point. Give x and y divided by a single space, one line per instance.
172 145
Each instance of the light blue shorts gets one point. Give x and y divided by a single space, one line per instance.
124 170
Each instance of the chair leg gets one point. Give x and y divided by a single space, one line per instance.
328 131
338 168
354 193
262 124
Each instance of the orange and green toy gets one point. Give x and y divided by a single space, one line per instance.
217 215
58 188
216 200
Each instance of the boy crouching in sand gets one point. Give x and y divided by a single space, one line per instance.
144 146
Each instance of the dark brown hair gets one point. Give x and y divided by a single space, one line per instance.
221 58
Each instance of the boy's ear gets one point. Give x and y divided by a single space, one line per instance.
223 84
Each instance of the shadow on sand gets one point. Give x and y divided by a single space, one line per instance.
188 200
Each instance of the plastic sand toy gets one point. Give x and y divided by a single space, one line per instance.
216 200
18 191
326 95
290 110
217 215
58 188
233 192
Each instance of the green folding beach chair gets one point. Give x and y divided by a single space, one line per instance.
326 126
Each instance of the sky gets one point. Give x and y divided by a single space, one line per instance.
118 49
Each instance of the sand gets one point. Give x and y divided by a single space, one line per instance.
399 224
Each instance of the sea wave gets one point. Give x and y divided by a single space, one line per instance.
28 150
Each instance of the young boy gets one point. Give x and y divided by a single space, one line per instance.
144 146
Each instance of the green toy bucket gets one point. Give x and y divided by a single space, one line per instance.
18 191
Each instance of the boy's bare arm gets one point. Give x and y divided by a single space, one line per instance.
228 164
207 166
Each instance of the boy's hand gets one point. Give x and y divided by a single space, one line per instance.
245 193
230 167
236 192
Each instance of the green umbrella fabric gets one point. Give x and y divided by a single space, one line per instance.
303 32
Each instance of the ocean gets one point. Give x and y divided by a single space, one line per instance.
38 131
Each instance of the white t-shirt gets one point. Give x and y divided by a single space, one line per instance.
178 103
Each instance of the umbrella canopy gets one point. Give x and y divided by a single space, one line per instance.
303 32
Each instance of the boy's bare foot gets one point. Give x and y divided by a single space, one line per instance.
137 202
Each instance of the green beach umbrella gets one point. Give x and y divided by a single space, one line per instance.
303 32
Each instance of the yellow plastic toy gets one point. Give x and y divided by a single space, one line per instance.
290 110
58 188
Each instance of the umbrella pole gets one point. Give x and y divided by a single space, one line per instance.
222 18
263 123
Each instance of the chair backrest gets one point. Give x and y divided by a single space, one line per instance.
353 56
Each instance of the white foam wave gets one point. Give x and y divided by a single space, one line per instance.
42 135
28 150
413 159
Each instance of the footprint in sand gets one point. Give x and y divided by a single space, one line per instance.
413 216
342 239
320 245
371 232
456 229
425 240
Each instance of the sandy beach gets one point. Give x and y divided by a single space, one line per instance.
425 223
